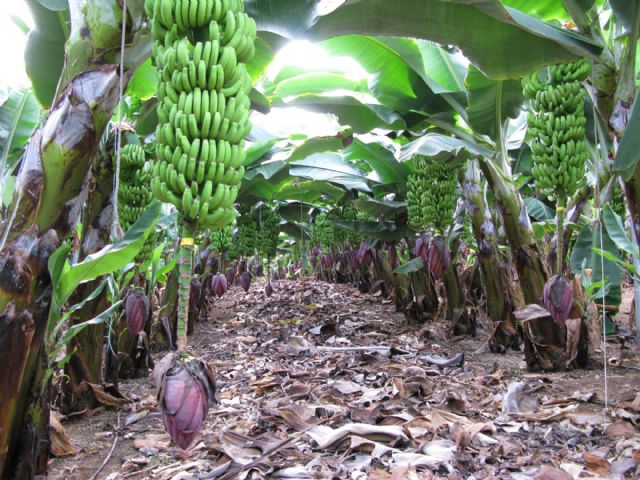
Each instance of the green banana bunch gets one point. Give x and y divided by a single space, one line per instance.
431 195
269 233
221 239
617 202
322 231
347 213
246 240
200 50
134 194
416 200
557 128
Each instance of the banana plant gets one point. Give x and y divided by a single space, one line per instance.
49 193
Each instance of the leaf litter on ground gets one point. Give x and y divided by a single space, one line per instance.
322 381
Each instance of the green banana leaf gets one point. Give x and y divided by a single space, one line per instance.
538 210
333 168
583 256
109 259
380 161
380 207
491 101
362 117
412 266
268 170
503 42
19 115
144 83
314 145
296 212
385 231
266 46
308 191
317 83
394 81
543 9
441 148
44 51
255 189
617 232
629 150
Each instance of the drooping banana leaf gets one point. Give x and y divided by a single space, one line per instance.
502 42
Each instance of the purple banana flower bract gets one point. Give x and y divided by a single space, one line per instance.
438 257
558 298
245 281
231 276
136 310
219 285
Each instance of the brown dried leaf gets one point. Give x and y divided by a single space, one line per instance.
620 429
299 345
550 473
440 418
152 441
530 312
327 437
596 463
346 387
161 369
111 398
60 442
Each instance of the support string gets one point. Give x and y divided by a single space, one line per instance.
115 229
598 205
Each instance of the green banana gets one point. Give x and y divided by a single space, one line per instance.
200 50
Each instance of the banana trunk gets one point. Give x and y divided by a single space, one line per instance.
499 303
50 192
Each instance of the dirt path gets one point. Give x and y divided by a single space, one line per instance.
320 381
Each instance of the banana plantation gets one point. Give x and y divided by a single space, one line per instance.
321 239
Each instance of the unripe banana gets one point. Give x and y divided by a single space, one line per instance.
558 150
200 49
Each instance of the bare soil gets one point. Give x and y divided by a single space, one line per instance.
296 399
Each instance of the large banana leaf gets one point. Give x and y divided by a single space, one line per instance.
385 168
144 83
385 231
107 260
442 71
317 82
19 114
380 207
398 77
503 42
308 191
544 9
491 101
256 188
44 51
333 168
266 46
360 116
288 18
267 169
441 148
629 151
583 256
293 71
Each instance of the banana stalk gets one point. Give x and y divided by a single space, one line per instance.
185 271
560 216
